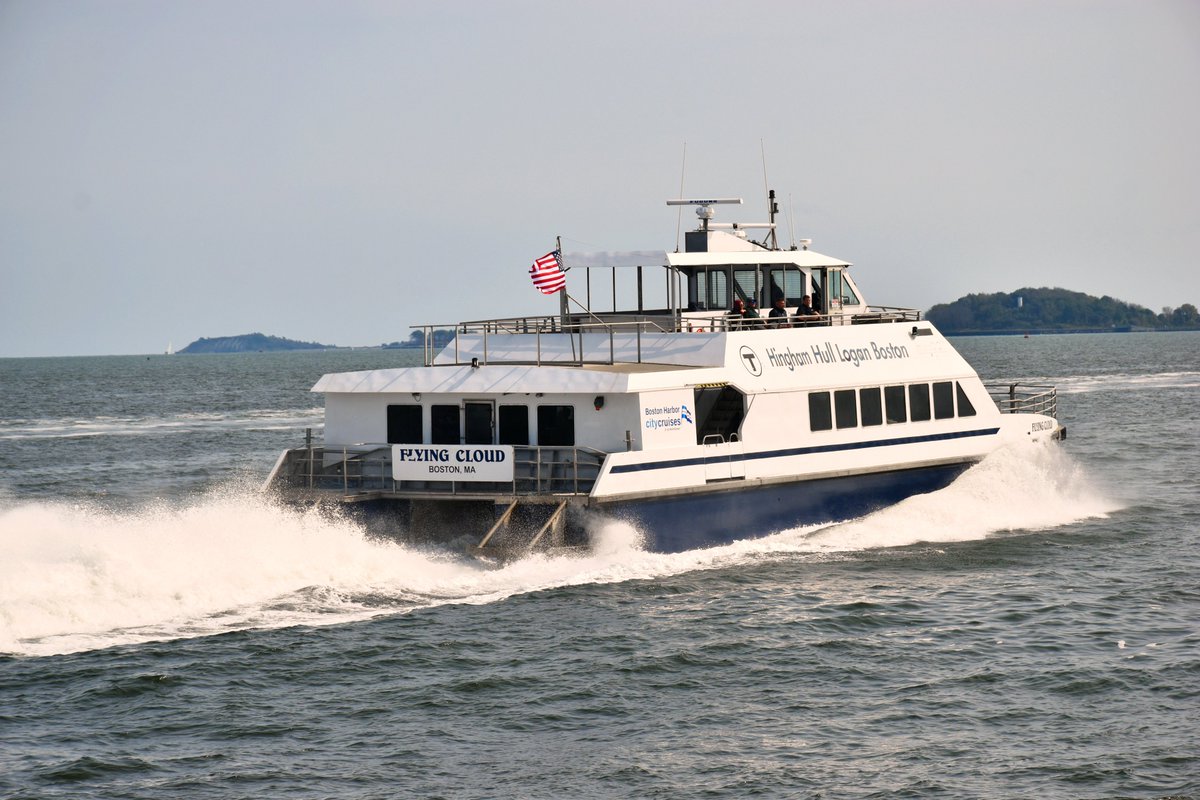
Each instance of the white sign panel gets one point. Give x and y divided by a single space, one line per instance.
442 462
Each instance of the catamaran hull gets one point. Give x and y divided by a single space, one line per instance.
704 519
669 523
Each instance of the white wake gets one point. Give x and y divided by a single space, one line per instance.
74 578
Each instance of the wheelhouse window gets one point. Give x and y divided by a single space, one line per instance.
918 402
514 425
404 424
820 417
443 424
943 400
556 426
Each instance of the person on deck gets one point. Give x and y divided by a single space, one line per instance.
779 315
737 314
754 319
806 314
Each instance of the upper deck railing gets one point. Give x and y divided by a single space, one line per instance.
627 325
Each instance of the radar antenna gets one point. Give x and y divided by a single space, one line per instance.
705 212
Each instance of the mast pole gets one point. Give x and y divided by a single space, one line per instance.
562 293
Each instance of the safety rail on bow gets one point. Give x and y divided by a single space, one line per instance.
1027 398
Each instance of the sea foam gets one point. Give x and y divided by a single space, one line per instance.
79 578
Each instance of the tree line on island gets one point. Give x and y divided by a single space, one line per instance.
261 343
1054 311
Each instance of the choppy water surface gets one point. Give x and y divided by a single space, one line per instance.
1032 630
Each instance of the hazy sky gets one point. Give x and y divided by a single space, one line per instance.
338 171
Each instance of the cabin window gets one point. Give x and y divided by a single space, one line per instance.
514 425
787 283
849 298
712 290
845 408
893 397
478 420
965 409
819 416
918 402
746 281
556 426
404 424
443 424
870 403
719 412
943 400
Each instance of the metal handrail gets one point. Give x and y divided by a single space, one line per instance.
1029 398
715 322
367 469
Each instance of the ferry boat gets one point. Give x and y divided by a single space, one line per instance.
697 424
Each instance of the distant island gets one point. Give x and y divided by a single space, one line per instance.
250 343
416 339
1054 311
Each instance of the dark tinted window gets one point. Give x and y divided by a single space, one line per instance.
918 402
820 417
404 424
443 424
965 409
846 409
893 397
870 405
514 425
556 426
478 423
943 400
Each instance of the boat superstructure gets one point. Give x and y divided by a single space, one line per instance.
698 425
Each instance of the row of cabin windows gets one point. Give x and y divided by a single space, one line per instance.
891 404
709 288
473 423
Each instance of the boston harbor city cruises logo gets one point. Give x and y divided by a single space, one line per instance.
751 361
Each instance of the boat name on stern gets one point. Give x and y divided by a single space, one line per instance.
416 462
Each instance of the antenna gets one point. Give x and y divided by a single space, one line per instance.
682 172
791 222
705 212
772 207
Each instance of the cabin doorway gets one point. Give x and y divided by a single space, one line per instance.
479 422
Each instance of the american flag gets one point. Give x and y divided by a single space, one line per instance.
547 273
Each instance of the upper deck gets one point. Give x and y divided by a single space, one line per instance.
681 303
624 339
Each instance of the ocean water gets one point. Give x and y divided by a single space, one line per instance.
1033 630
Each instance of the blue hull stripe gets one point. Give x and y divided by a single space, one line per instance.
803 451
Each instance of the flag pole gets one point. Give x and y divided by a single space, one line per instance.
562 293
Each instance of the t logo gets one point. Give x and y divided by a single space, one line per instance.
750 361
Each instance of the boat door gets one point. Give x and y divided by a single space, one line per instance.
479 422
723 459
